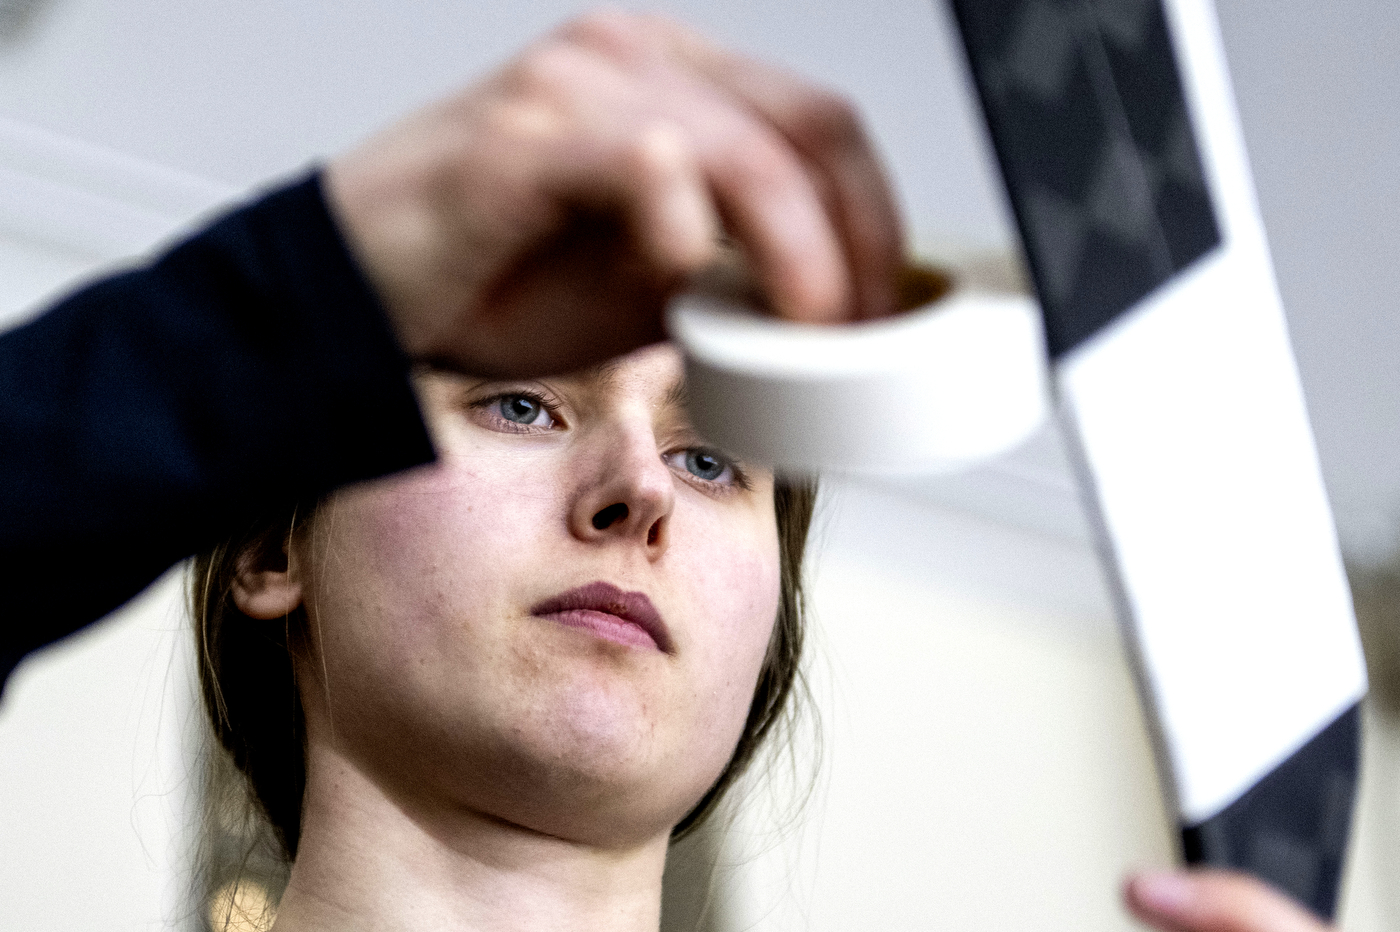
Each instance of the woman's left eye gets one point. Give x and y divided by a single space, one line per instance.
523 410
708 465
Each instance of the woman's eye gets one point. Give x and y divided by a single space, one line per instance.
524 410
708 465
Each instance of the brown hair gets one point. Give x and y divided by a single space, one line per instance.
247 678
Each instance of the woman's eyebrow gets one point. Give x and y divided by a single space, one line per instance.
603 374
676 396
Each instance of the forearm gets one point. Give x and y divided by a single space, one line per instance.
145 414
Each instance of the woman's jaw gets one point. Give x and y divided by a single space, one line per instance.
372 861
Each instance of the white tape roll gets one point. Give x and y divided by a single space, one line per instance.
938 388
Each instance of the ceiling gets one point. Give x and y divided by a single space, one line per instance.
243 92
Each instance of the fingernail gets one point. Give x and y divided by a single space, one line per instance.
1164 891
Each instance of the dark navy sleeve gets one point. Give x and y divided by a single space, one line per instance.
143 416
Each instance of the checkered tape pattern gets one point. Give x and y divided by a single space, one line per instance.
1085 105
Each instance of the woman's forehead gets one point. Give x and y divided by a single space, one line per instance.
654 374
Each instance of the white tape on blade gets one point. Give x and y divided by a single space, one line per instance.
1190 416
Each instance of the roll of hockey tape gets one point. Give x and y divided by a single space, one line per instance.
937 388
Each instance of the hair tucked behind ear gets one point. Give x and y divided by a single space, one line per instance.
255 769
247 678
257 773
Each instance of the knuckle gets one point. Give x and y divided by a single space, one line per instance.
767 163
830 121
545 70
657 151
614 33
520 121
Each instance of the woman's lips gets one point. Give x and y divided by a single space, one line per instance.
610 613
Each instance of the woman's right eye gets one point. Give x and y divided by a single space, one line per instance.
524 410
515 411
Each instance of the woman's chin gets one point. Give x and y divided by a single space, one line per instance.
573 742
596 776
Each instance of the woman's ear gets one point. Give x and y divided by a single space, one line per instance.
266 585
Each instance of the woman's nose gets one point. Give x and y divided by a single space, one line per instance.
630 492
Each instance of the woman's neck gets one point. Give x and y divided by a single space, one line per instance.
364 863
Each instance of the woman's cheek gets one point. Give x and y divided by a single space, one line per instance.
401 556
732 584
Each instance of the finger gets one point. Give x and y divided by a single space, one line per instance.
594 152
1215 901
825 129
661 189
771 202
774 211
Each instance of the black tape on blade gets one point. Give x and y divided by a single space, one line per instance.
1085 107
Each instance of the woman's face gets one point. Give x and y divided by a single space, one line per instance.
561 622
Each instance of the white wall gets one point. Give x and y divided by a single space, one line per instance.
1319 96
100 785
31 271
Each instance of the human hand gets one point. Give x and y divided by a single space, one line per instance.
538 221
1215 901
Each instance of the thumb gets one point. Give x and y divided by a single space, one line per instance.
1215 901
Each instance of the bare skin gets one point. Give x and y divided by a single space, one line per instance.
1215 901
571 193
